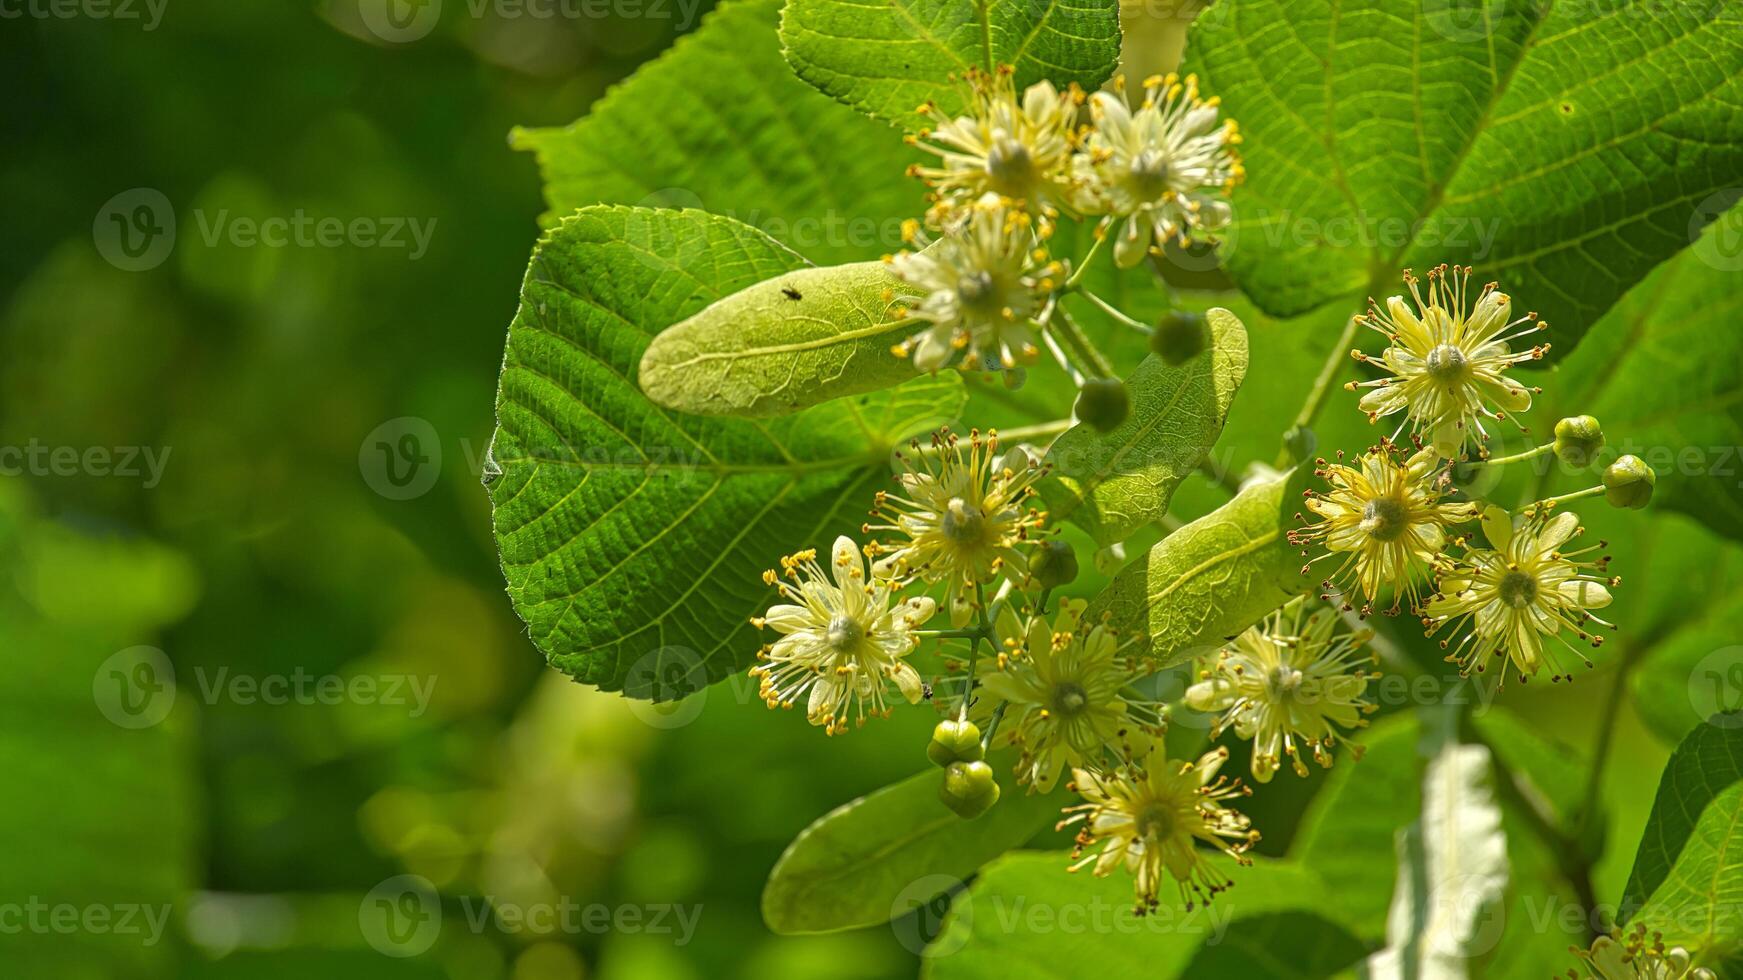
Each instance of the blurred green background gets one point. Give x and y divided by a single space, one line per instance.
258 551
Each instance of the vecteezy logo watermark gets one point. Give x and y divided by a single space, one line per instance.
929 899
1721 247
400 21
682 13
1716 687
149 13
43 918
135 688
1463 20
570 918
401 458
667 688
130 462
135 230
401 917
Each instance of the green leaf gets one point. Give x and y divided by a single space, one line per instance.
1287 945
720 123
1212 578
1663 373
788 343
885 57
1563 150
1116 482
1707 763
632 539
1697 905
1026 917
871 860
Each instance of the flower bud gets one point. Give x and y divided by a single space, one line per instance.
1103 403
1053 564
1179 336
969 789
954 741
1628 482
1016 377
1578 439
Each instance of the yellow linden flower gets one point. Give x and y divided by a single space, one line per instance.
980 287
1287 680
1448 366
1011 148
962 520
1164 167
1384 516
1525 589
1064 690
1151 818
1632 957
843 641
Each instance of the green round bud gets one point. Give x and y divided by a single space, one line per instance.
1578 439
1628 482
969 789
1016 377
1103 403
954 741
1053 564
1179 336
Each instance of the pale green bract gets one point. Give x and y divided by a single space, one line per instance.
783 344
1115 482
1212 578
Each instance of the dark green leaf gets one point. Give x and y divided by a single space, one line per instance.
885 57
1709 761
633 539
720 123
1561 149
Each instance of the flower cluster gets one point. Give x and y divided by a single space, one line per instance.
1041 693
1633 956
845 638
1391 522
980 283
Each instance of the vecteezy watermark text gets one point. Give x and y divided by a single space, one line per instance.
149 13
136 688
136 230
38 916
129 462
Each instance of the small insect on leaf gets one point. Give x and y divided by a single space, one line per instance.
791 293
